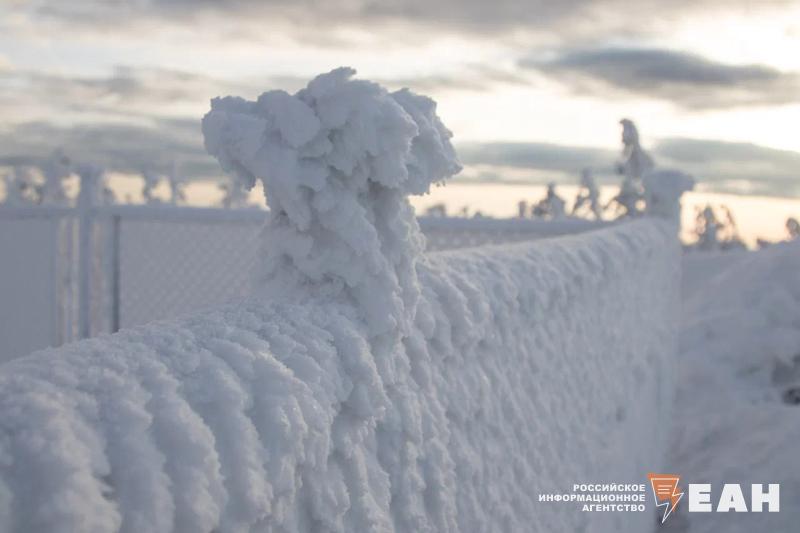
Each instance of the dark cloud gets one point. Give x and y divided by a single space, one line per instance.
719 166
120 147
685 79
538 156
142 94
478 78
734 167
126 92
562 17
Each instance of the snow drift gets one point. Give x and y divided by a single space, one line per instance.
739 356
366 387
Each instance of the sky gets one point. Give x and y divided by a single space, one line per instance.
533 90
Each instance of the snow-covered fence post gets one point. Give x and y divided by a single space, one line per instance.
663 189
150 181
337 160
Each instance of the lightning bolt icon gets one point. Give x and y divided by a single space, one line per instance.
665 492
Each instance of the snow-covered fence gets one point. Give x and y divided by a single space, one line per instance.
141 264
365 386
528 369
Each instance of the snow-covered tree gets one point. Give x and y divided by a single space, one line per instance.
634 165
793 227
176 186
150 181
635 161
731 239
235 196
436 210
707 228
588 196
715 232
552 205
22 188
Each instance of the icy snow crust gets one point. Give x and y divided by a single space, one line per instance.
527 368
365 387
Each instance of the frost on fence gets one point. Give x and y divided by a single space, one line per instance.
337 160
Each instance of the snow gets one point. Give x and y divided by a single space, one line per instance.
740 343
290 417
663 189
365 386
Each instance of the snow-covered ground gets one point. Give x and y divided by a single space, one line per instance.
739 357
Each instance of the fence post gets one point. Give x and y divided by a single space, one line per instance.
89 177
56 332
115 273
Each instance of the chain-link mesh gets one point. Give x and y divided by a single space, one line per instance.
149 264
171 268
37 294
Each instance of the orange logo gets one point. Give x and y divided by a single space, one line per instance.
665 491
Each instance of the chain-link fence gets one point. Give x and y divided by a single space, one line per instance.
67 273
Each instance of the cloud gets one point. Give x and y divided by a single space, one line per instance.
537 156
725 166
563 17
120 147
126 92
685 79
472 77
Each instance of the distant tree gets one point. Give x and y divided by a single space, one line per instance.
707 229
22 188
436 210
176 186
634 165
588 195
635 161
234 194
793 227
552 205
151 181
